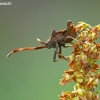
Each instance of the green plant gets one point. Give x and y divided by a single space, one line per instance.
82 63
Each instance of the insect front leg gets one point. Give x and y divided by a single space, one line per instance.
55 52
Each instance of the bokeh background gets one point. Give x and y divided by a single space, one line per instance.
32 75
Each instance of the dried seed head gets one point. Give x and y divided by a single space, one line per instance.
82 62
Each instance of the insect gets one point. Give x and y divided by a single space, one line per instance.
57 40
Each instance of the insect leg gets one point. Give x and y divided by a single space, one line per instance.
66 46
86 42
62 57
72 38
55 52
59 56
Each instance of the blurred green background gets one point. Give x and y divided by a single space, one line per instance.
32 75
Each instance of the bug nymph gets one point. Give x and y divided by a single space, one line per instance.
56 40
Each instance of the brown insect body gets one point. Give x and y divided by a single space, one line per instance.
56 40
61 37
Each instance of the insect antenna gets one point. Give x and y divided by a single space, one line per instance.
25 48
